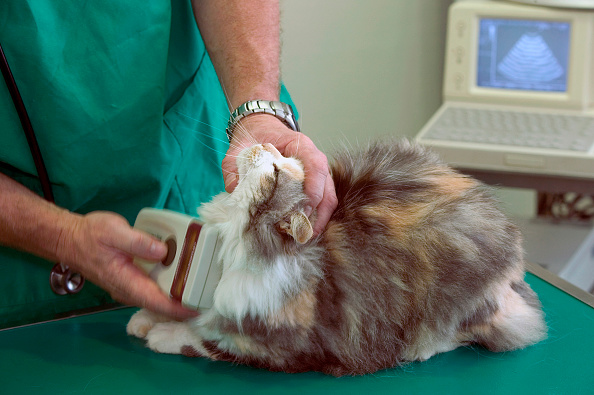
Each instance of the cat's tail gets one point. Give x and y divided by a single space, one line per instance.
516 320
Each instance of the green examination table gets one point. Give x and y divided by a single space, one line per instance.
91 354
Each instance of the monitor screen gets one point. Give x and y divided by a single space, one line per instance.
518 54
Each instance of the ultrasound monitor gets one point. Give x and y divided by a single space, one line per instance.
523 54
518 92
504 53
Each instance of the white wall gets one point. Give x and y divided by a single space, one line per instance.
363 69
360 70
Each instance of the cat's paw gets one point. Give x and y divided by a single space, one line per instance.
174 338
142 322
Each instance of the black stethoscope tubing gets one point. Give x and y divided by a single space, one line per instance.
27 127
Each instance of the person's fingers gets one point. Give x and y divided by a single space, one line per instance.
314 163
131 286
231 181
136 243
318 184
229 165
316 173
242 138
103 248
326 207
230 174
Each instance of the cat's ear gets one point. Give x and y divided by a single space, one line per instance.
299 228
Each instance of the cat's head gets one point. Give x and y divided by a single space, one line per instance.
263 235
266 207
273 188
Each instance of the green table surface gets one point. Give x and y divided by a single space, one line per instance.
93 355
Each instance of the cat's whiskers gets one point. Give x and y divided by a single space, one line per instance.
243 131
201 122
197 132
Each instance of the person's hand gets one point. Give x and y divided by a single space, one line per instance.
263 128
101 246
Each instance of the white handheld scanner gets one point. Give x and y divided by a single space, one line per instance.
188 273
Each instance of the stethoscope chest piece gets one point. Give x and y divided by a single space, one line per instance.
64 281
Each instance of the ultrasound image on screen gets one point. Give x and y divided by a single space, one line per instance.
523 54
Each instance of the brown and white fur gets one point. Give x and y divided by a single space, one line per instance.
415 261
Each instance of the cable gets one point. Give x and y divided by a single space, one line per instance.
46 186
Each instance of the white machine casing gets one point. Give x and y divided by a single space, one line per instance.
462 52
560 3
189 273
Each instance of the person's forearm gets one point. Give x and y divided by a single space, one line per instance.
28 222
242 39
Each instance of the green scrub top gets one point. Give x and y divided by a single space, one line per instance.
128 113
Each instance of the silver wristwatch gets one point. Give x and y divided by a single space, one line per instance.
282 111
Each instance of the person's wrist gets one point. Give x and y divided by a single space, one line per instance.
261 127
68 225
276 109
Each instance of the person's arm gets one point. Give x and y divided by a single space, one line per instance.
243 40
99 245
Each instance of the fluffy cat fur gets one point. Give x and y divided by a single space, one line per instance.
415 261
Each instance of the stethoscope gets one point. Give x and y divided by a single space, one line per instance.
62 280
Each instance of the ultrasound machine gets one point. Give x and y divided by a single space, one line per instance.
518 111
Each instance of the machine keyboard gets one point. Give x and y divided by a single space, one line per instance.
538 130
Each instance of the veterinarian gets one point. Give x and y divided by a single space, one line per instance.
129 113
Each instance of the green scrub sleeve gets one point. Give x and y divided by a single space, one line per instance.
128 112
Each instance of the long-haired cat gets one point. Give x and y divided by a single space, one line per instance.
415 261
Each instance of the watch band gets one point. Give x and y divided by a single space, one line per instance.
282 111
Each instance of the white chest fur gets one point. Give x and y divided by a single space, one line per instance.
255 292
